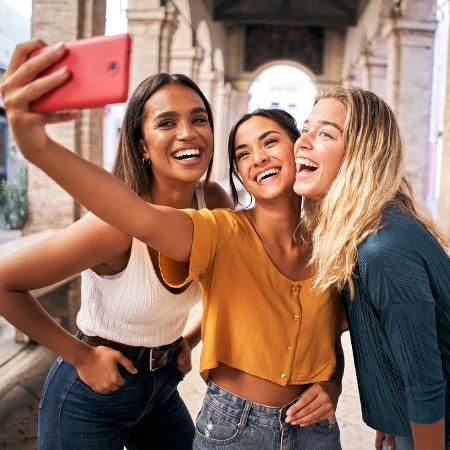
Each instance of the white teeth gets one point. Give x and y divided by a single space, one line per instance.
267 172
188 152
306 162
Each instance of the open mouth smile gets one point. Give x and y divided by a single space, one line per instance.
267 175
190 154
305 166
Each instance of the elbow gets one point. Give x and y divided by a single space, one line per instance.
7 282
4 282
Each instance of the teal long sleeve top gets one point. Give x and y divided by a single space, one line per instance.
399 323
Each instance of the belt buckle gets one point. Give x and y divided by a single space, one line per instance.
150 366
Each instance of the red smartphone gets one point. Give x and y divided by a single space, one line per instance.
100 72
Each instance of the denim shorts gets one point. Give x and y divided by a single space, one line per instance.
229 422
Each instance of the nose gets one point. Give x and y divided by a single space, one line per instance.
259 156
304 142
186 131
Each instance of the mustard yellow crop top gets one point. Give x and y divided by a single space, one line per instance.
254 318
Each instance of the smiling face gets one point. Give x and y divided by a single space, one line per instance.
264 158
320 149
177 136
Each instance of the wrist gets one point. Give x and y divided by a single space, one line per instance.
80 353
191 341
332 386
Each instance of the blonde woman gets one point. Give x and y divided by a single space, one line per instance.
370 239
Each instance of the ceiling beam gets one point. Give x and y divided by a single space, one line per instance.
286 17
222 6
342 6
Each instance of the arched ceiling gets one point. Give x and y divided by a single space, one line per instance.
326 13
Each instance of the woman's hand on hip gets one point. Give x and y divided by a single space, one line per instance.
317 403
100 371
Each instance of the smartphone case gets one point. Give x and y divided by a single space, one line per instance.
99 70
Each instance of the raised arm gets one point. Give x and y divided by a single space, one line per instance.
85 244
216 197
165 229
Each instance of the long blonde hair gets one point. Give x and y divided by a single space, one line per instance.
371 176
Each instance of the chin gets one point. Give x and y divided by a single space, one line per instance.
300 190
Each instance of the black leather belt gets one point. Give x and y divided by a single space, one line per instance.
151 358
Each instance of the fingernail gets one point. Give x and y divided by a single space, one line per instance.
58 47
288 419
63 72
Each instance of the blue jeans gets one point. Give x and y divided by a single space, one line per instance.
401 443
229 422
145 413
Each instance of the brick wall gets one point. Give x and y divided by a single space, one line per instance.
55 21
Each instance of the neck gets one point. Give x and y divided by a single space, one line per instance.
277 220
172 193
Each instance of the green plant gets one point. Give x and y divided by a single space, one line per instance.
14 201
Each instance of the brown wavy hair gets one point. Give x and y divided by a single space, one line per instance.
128 165
282 118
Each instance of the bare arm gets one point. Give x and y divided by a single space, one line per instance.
193 334
165 229
86 243
429 436
216 197
191 338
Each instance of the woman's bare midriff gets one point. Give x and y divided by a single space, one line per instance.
254 388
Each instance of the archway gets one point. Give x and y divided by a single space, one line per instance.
286 86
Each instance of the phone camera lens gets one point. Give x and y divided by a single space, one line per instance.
113 67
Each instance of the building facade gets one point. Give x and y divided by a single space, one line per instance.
387 46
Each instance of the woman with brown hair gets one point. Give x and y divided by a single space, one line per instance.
116 384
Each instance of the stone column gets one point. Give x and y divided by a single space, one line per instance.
374 74
443 204
186 61
353 78
152 27
373 63
222 128
49 205
207 83
410 43
238 106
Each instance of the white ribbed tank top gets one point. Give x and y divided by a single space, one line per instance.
133 307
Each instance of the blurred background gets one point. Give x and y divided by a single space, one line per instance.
243 54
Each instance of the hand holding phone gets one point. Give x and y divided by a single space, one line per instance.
99 69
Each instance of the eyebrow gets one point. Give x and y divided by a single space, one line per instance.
165 114
260 138
327 122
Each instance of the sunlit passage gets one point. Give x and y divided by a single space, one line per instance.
286 87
